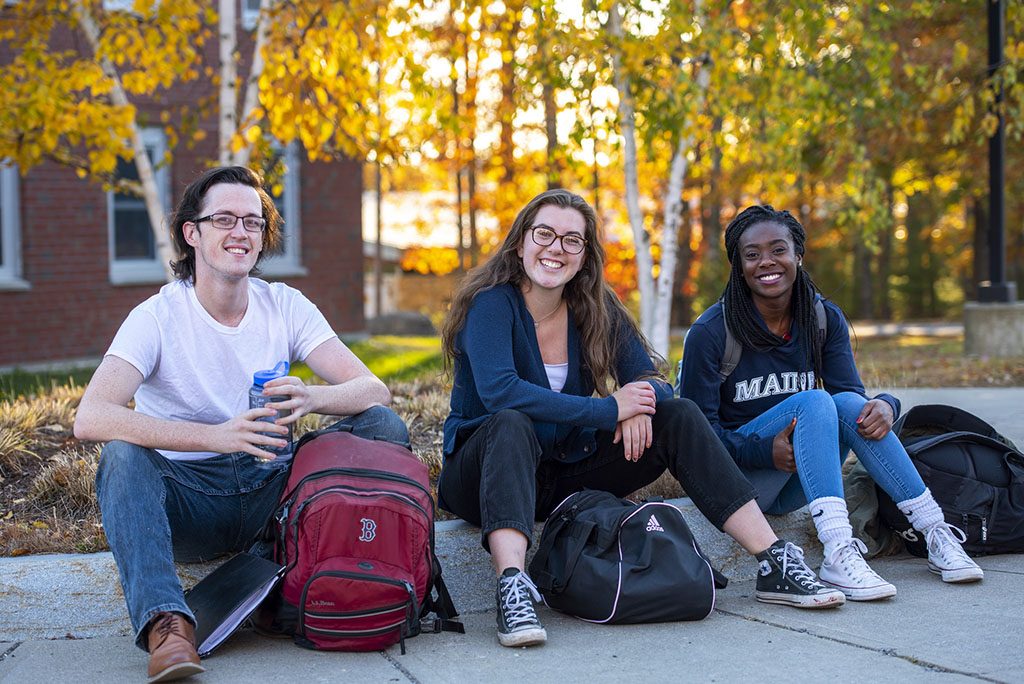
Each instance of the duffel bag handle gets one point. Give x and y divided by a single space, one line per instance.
578 532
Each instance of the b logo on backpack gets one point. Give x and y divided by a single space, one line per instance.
369 530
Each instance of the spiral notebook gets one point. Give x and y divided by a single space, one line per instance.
226 597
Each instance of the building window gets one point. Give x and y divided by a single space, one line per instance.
250 14
118 5
133 257
10 229
289 261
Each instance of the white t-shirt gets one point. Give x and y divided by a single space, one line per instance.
196 369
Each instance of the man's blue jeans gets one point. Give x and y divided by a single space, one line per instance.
826 430
157 511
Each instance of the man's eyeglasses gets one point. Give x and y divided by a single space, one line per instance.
226 221
544 236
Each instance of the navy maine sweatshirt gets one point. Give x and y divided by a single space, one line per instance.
762 379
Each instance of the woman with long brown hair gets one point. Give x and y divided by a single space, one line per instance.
555 391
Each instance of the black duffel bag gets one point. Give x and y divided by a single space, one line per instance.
606 559
975 474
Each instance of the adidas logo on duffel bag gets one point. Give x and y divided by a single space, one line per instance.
653 526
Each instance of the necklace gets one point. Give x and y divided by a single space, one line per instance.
536 323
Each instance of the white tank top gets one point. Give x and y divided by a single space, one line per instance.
557 373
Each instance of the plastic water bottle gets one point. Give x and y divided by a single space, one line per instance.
258 400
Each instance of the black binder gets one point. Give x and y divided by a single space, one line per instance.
226 597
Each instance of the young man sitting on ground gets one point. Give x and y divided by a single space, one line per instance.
184 475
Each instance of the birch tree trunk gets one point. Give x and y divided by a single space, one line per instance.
147 179
472 80
459 223
672 207
228 100
252 83
627 124
672 211
655 296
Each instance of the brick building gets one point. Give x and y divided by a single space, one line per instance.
74 259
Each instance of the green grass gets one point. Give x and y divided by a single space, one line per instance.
21 383
397 359
391 358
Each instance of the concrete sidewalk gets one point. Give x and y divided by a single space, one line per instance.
62 617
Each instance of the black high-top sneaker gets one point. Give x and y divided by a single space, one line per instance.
517 618
783 577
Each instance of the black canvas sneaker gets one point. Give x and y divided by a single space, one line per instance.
783 577
517 618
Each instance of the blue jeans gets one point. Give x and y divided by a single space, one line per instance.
826 430
157 511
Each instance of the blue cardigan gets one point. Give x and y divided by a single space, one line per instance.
761 379
499 366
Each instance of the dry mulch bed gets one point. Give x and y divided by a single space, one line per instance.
47 491
47 497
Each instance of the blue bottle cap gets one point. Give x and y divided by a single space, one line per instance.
259 378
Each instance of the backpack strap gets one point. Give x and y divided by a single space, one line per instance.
442 606
897 427
313 434
732 352
1014 459
819 313
733 349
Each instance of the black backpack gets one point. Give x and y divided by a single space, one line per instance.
606 559
975 474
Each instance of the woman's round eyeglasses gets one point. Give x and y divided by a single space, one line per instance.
544 236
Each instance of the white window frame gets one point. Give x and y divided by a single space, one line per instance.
142 271
289 263
10 229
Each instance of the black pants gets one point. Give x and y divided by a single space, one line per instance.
497 479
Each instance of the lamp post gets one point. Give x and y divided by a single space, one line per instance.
994 325
996 289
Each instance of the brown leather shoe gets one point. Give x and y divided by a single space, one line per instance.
172 648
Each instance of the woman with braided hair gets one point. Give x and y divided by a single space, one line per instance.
554 390
774 420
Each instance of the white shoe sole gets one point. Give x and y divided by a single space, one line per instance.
875 593
833 599
958 576
176 671
534 636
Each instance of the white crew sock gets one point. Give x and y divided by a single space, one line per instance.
832 521
922 511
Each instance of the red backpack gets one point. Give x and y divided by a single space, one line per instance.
355 532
